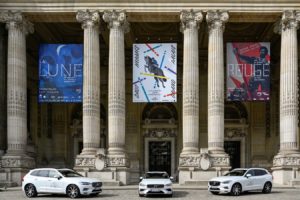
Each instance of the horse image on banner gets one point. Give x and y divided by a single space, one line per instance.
152 66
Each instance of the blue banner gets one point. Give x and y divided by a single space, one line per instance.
60 72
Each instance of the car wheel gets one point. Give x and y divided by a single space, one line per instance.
94 194
215 193
30 190
141 195
236 189
73 191
267 188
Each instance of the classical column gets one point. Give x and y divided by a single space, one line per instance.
118 25
216 24
18 27
288 157
91 81
189 26
2 91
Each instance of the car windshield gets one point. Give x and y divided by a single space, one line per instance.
236 173
155 175
69 173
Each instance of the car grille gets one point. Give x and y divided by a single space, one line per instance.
155 186
214 183
96 184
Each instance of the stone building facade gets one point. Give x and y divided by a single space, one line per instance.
107 135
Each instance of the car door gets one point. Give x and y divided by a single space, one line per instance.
249 180
259 178
56 185
41 180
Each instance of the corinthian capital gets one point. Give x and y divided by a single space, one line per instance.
15 19
190 19
116 19
88 18
216 19
290 19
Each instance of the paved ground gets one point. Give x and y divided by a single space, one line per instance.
190 194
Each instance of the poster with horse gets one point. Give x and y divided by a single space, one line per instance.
154 72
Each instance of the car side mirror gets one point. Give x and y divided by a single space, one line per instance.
57 176
248 175
141 178
171 178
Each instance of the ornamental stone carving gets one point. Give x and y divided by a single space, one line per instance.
189 161
160 133
15 19
85 162
17 163
220 161
286 161
235 132
205 161
190 19
290 19
116 19
88 18
117 162
217 19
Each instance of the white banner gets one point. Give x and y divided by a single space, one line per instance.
154 72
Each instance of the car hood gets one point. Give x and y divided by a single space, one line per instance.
156 181
82 179
226 178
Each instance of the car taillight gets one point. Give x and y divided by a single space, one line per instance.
22 178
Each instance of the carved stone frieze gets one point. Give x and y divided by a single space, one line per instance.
160 133
18 163
189 161
235 132
85 162
286 161
219 161
117 162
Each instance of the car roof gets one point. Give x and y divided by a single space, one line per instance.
156 172
48 168
250 168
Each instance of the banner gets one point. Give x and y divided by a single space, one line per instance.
248 71
60 72
154 72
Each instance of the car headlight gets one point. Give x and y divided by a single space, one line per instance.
169 184
142 184
226 182
85 183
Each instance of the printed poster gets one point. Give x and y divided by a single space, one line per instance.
248 71
154 72
60 72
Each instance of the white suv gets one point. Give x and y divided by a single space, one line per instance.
241 180
59 181
156 182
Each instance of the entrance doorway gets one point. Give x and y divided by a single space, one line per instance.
160 156
233 149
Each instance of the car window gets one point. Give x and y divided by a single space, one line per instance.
34 173
43 173
53 173
69 173
259 172
236 173
152 175
251 172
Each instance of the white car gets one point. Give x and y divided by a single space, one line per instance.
241 180
59 181
156 182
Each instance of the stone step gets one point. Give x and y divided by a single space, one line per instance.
111 183
295 182
196 183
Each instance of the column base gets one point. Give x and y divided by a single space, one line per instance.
286 168
14 167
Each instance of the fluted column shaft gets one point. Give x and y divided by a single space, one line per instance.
116 85
289 82
190 21
17 27
91 81
216 21
2 91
